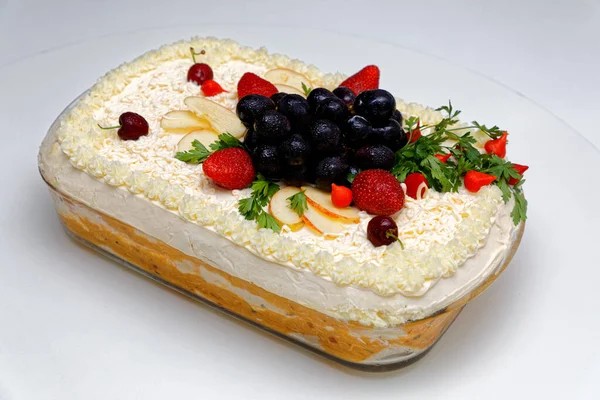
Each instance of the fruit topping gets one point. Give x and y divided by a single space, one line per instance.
377 192
294 150
280 208
391 135
295 108
250 141
416 185
475 180
131 126
183 122
199 72
375 105
382 231
272 127
204 136
287 77
288 89
230 168
415 134
365 79
320 223
358 130
251 106
253 84
330 170
267 161
520 170
322 201
317 96
443 157
276 97
397 116
333 109
497 146
345 94
211 88
341 196
221 118
375 156
325 136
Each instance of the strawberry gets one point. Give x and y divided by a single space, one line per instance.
475 180
365 79
416 133
230 168
341 196
497 146
520 170
443 157
211 88
378 192
253 84
412 182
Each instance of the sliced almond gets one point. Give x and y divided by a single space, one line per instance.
279 208
204 136
182 121
287 77
321 201
222 119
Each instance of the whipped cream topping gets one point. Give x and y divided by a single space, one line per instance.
440 232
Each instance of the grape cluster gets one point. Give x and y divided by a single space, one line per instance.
323 138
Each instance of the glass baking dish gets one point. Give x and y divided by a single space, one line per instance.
347 342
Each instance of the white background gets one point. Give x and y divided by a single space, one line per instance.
74 326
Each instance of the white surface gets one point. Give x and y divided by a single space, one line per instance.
74 325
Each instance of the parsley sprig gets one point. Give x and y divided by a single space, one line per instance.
199 153
252 208
419 156
298 202
306 89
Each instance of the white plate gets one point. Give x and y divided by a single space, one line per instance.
74 325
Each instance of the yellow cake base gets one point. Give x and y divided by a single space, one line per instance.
346 341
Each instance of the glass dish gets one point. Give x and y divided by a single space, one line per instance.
349 343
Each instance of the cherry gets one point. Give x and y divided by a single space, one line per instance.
131 126
199 72
382 231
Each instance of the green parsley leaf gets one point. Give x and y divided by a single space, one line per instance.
519 212
350 177
306 89
226 141
298 202
198 154
252 208
265 220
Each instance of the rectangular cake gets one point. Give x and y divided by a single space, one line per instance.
317 206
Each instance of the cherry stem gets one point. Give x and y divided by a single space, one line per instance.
389 234
109 127
194 54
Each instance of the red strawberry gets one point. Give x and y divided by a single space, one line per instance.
521 170
253 84
230 168
475 180
378 192
412 182
211 88
443 157
497 146
416 133
365 79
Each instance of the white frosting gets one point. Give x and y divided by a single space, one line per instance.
441 232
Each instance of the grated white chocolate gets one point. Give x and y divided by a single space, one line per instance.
440 232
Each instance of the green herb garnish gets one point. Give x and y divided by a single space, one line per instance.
298 202
252 208
199 153
306 89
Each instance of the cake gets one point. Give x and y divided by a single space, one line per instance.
315 205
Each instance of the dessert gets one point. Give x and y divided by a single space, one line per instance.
318 206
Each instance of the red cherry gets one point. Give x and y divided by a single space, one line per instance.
382 231
200 73
131 126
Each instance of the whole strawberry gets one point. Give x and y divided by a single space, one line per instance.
365 79
253 84
378 192
230 168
